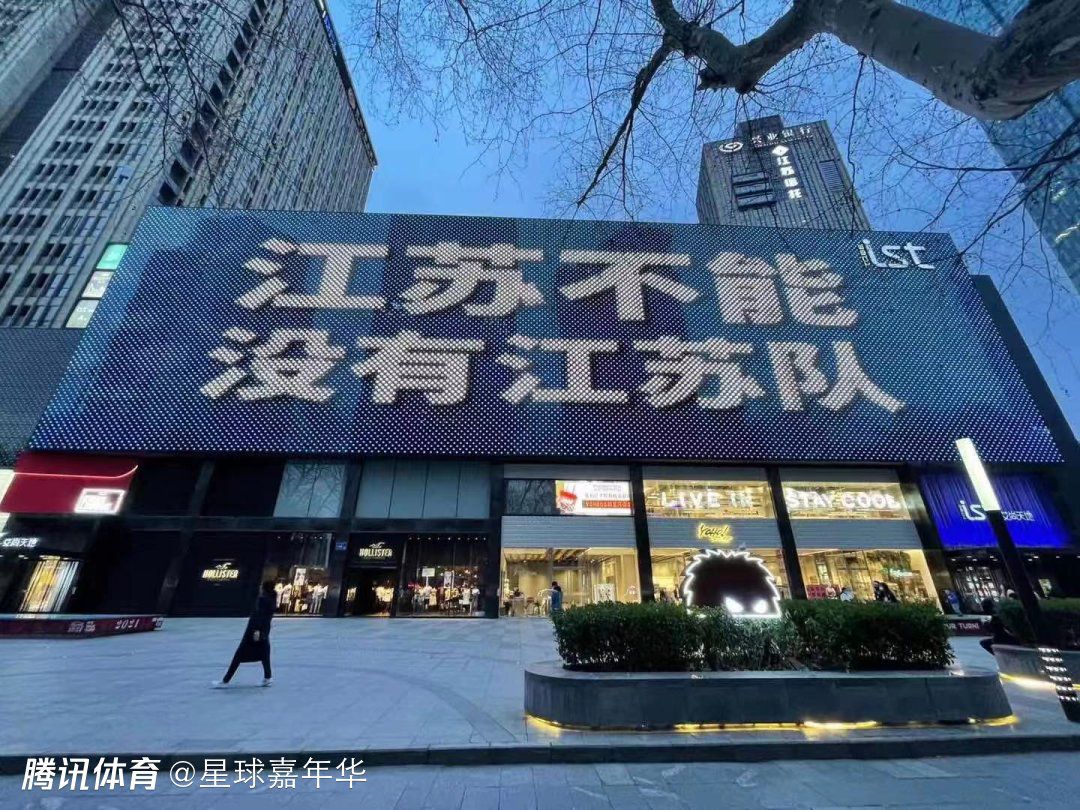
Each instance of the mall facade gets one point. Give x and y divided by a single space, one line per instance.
437 416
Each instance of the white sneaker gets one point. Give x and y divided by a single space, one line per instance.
267 681
218 685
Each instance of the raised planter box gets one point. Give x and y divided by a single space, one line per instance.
1021 662
664 700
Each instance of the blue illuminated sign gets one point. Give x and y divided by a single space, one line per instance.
961 521
378 334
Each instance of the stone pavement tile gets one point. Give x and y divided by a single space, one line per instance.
661 797
715 797
613 774
626 797
864 788
588 797
515 775
418 782
580 775
911 769
441 797
554 797
517 797
480 798
486 776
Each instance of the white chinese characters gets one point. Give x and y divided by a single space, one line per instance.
521 340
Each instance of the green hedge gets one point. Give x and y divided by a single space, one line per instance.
869 635
825 634
1061 616
618 637
731 644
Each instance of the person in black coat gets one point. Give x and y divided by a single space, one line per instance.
999 634
255 645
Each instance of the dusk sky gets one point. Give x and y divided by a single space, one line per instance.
428 166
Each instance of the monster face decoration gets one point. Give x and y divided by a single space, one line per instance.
733 580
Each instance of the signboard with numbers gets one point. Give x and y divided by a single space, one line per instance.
339 333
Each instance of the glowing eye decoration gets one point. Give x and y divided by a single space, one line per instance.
733 580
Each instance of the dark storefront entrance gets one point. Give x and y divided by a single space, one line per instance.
369 591
372 575
979 574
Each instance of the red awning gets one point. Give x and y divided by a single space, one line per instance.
59 484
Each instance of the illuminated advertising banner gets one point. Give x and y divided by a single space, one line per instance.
845 501
396 335
708 499
593 498
1029 511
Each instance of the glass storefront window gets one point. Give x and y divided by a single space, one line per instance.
669 566
297 565
708 499
530 496
586 576
906 573
596 498
443 576
310 489
544 496
815 500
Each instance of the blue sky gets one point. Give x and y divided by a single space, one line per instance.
429 166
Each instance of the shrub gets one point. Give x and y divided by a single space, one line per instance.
823 634
651 637
1060 616
732 644
869 635
616 637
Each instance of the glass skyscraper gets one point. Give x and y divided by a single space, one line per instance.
1034 143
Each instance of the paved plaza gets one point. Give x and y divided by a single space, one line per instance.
344 685
1041 781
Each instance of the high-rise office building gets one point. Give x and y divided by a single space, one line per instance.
1034 143
773 175
237 103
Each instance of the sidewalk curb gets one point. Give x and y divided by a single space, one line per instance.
750 751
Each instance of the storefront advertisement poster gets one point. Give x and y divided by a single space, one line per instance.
961 521
708 499
593 497
845 501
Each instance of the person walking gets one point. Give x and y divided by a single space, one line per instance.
255 645
556 597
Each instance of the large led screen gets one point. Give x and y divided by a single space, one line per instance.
383 334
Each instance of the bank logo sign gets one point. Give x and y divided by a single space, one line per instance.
336 333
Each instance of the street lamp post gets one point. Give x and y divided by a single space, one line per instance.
1049 655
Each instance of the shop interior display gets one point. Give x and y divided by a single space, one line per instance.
303 593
